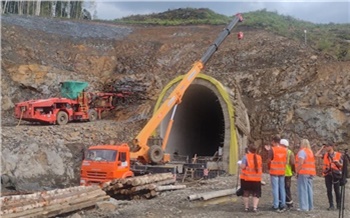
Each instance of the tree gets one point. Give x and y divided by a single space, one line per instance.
92 6
20 7
38 7
66 8
53 8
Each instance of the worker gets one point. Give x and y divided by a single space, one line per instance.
277 160
239 192
306 170
251 167
332 166
205 173
92 155
290 170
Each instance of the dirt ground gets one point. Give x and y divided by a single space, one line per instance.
175 203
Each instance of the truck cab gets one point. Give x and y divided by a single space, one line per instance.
103 163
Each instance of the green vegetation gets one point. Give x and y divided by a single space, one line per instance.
333 39
187 16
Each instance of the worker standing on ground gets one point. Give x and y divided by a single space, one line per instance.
290 169
277 160
252 172
239 192
306 170
332 162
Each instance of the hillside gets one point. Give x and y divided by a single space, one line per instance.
287 87
331 39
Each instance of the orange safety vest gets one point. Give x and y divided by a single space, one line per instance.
279 161
308 167
242 175
327 163
249 173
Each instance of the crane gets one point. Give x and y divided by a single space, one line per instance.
104 163
152 151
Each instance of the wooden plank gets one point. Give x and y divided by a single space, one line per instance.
88 197
43 203
54 192
27 213
43 199
70 208
151 178
56 208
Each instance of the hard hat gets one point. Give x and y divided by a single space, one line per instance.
284 142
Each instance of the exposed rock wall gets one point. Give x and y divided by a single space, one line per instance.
287 88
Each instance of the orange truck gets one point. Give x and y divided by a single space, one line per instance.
111 162
151 150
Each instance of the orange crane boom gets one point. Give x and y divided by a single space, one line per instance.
154 153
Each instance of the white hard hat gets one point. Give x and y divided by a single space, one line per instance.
284 142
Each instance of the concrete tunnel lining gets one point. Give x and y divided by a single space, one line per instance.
203 121
199 124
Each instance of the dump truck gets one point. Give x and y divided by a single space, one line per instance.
75 104
117 161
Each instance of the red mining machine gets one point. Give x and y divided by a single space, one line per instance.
74 105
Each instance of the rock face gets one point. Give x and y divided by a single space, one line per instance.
287 88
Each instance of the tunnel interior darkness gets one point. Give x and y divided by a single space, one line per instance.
199 124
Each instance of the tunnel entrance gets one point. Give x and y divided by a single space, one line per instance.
198 124
210 116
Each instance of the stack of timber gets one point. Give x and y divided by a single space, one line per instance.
138 187
51 203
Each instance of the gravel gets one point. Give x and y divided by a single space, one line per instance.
67 28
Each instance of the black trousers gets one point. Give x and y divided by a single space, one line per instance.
330 184
287 185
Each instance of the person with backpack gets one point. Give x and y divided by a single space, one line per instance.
331 170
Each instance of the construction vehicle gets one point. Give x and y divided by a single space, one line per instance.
75 104
150 150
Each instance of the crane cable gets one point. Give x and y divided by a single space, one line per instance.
22 111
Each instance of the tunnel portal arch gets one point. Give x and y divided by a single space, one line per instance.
205 120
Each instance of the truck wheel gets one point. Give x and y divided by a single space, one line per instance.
119 101
123 101
115 101
62 118
155 154
92 115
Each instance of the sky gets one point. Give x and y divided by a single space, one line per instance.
321 11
